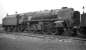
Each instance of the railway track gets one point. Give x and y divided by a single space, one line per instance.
44 36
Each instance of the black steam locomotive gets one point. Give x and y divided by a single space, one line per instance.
63 21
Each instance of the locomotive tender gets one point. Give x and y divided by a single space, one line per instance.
65 21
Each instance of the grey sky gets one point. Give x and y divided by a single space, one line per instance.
2 12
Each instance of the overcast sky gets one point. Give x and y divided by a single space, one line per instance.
10 6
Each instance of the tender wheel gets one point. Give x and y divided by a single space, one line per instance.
9 29
5 28
20 28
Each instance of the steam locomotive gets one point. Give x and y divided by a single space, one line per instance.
65 21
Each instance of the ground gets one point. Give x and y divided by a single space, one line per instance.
24 41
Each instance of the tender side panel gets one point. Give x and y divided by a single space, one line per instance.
10 21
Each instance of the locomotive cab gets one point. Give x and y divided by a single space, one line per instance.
83 24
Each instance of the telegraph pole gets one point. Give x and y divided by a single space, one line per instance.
17 16
7 14
83 9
